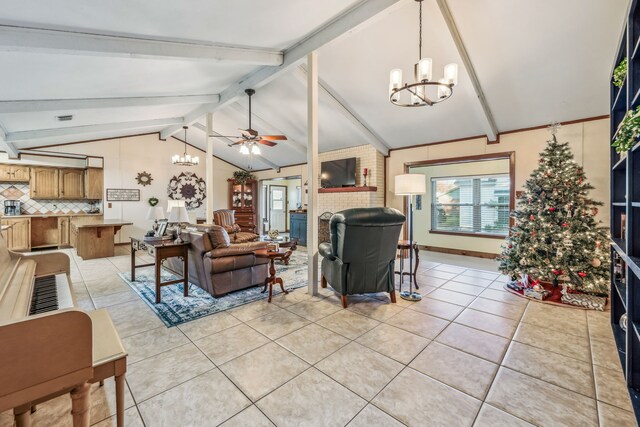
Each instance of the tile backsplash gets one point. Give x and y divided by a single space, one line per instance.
20 191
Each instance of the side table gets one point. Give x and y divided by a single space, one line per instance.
282 254
284 242
161 250
404 245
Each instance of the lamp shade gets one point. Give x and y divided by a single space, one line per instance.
155 212
178 214
410 184
173 203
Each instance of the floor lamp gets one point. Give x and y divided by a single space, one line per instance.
410 185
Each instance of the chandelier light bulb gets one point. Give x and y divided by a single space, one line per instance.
395 78
424 69
255 150
451 73
443 91
244 149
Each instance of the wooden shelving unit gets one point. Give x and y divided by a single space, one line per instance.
348 189
625 203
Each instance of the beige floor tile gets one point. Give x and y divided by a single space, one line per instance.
506 297
440 274
426 281
208 399
482 344
150 343
231 343
480 274
348 324
278 324
208 325
611 387
253 310
449 268
554 340
372 416
131 419
493 417
360 369
564 371
418 323
498 308
261 371
248 417
314 310
156 374
487 322
599 324
610 416
293 297
394 343
417 400
539 402
113 299
460 370
472 281
498 286
311 399
110 284
133 317
451 297
605 353
437 308
463 288
375 309
312 343
573 321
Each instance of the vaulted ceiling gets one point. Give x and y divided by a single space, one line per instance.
124 68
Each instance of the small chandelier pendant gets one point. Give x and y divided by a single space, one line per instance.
185 159
424 91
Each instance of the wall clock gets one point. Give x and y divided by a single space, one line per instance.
188 187
144 178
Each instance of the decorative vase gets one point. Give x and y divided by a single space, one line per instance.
273 234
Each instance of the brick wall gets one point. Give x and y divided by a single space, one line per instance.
366 157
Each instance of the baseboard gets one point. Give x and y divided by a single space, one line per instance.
122 243
464 252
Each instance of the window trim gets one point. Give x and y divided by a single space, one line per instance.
511 155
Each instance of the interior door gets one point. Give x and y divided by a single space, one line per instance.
278 207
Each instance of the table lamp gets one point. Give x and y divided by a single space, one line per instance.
177 216
410 185
174 203
155 213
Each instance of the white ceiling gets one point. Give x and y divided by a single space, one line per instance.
536 62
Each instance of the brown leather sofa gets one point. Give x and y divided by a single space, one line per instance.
218 266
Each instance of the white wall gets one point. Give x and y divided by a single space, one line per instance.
124 158
589 142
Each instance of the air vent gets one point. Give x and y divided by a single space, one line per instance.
66 118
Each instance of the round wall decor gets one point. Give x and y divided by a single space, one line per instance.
188 187
144 178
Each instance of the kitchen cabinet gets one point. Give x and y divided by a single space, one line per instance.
93 183
64 238
44 183
244 201
298 227
71 185
14 173
18 235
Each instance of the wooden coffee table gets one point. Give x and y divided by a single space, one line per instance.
282 254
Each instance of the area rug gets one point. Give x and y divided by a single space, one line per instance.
176 309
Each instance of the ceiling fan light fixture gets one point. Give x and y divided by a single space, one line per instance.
255 150
244 149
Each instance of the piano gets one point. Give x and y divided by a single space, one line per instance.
48 346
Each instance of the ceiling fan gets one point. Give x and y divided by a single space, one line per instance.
249 137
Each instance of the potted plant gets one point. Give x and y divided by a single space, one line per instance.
620 73
628 131
242 177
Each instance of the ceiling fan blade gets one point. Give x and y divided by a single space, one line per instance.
226 136
238 142
274 137
267 143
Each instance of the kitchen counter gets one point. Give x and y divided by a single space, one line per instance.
103 223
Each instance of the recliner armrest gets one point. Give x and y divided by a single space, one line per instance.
325 251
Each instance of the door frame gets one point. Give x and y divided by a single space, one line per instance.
264 183
286 204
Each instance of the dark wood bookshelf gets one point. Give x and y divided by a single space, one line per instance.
625 201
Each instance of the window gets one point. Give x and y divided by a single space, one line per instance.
471 204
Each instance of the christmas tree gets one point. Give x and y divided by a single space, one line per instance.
555 235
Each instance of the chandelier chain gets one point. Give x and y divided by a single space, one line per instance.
420 33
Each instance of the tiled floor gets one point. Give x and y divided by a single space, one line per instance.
468 354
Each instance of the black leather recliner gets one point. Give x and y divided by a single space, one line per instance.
361 256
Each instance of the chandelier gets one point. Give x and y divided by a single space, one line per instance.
185 159
424 91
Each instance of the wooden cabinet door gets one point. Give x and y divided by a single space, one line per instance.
44 183
20 173
63 230
71 183
18 237
93 183
5 173
6 234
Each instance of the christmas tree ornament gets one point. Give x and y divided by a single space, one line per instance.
582 274
596 262
552 209
532 217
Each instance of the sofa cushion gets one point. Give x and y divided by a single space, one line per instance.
217 234
231 263
243 237
236 249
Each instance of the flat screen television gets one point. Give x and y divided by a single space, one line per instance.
338 173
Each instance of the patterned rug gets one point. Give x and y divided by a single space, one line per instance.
176 309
